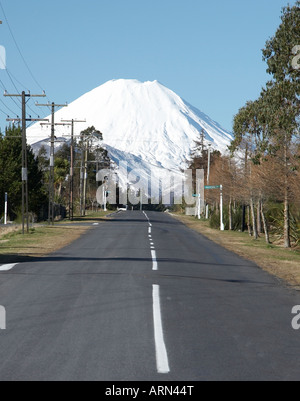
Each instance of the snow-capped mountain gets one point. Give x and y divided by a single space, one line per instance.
144 124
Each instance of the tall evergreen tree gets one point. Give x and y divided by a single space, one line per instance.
278 52
281 97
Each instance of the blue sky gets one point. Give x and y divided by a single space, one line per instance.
208 52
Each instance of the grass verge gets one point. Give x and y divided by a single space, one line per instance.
43 240
89 218
280 262
39 242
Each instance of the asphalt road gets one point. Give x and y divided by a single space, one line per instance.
142 297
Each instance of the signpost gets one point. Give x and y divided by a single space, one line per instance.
213 187
220 187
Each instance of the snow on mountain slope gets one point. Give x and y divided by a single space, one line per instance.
145 124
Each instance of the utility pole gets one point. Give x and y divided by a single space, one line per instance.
85 177
24 96
71 123
208 177
51 171
81 183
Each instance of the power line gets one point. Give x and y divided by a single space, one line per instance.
12 78
16 103
14 85
6 106
19 50
3 111
19 93
18 81
2 84
10 75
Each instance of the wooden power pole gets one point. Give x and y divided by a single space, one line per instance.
24 173
52 148
71 123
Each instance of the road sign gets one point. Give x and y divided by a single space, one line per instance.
197 196
212 187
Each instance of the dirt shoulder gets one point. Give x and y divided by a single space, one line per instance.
278 261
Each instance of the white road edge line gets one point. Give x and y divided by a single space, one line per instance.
154 261
162 362
6 268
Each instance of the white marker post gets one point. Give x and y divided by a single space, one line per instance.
222 227
5 209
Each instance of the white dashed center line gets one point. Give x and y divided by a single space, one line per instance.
162 362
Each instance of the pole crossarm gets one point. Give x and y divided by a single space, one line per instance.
73 121
27 119
49 124
51 104
20 95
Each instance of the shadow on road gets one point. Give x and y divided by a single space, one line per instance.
99 272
